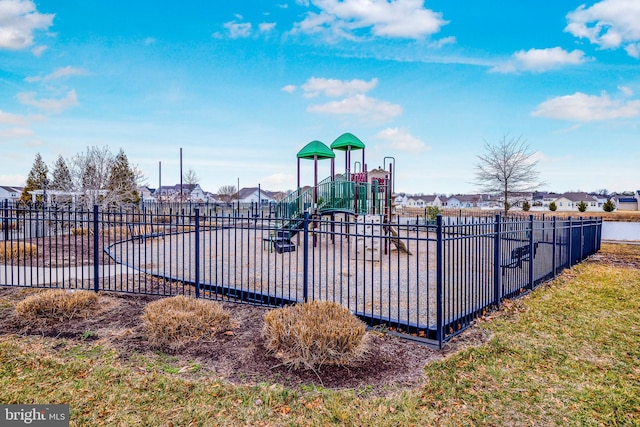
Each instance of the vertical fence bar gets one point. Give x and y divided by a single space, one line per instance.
197 252
581 239
496 262
96 264
5 221
531 252
439 283
570 255
305 260
553 248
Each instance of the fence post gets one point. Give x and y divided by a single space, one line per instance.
305 258
531 252
553 248
497 285
197 252
439 282
96 269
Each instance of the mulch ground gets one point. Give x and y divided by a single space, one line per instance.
238 355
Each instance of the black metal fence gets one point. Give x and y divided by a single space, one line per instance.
423 279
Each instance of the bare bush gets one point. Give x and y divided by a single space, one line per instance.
314 334
170 323
56 305
13 250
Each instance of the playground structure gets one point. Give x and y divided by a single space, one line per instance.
363 195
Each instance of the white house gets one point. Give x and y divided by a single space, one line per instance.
10 193
628 203
190 192
570 202
253 195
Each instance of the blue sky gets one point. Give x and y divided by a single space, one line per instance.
241 86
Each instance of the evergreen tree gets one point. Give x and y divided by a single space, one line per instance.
35 181
609 206
526 206
552 206
61 176
582 206
122 181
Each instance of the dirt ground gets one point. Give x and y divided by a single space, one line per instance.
237 355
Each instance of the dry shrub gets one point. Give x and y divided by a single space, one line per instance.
173 322
12 250
314 334
79 231
118 230
56 304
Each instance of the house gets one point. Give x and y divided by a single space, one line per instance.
463 201
543 199
146 194
10 193
423 201
254 195
628 203
400 200
570 202
172 193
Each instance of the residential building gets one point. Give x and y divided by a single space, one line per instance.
254 195
10 193
570 202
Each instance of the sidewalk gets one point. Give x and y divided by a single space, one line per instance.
37 276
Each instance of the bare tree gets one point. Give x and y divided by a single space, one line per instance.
507 168
227 193
90 171
191 178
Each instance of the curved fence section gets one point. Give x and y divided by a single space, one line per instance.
427 280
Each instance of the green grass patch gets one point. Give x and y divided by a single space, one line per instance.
567 354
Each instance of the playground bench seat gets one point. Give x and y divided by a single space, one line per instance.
141 231
281 244
519 255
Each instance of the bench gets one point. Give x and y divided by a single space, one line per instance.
519 255
281 244
141 231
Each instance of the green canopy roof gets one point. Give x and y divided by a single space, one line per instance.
346 140
316 148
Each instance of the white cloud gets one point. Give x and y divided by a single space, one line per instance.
13 119
383 18
289 88
18 20
49 104
539 60
608 24
277 180
360 105
266 26
633 50
402 140
584 108
626 90
149 41
13 180
437 44
238 30
336 88
38 50
57 74
15 133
